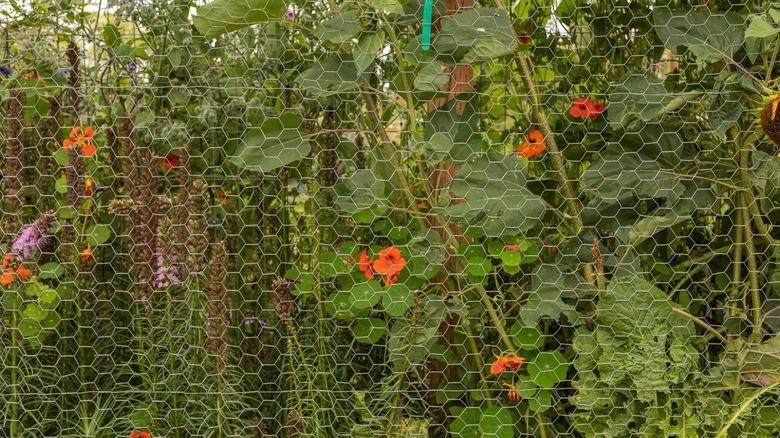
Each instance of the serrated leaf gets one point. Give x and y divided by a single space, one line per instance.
366 49
761 29
220 16
710 37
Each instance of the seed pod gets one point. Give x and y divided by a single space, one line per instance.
770 120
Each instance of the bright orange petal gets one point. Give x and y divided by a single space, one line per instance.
74 133
7 259
23 272
67 143
89 132
8 277
498 366
89 149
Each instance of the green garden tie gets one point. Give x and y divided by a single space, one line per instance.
426 29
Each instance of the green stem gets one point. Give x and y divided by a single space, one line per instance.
495 319
701 323
478 362
723 432
14 367
172 364
736 271
755 290
404 365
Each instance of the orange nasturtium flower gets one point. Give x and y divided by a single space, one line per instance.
23 272
583 107
365 265
86 255
533 145
83 138
389 264
510 361
140 434
8 276
7 259
513 395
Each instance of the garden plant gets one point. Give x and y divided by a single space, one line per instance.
401 218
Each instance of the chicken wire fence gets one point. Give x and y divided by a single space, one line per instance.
406 218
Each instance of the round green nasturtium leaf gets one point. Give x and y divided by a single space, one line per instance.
369 331
449 391
542 401
548 368
97 234
495 248
471 250
32 311
350 248
51 320
397 299
527 338
29 327
307 280
365 295
51 270
466 424
479 267
496 422
140 418
337 305
66 212
511 270
330 264
527 389
512 258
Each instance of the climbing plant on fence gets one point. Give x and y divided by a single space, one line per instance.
409 218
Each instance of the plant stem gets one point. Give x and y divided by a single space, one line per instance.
495 319
542 429
172 364
478 362
14 367
755 290
723 432
701 323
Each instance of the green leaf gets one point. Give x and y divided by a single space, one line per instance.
341 28
97 234
220 16
449 391
33 311
278 142
641 95
527 338
436 149
618 175
51 321
334 75
61 157
330 264
479 267
338 305
366 49
474 36
466 424
511 258
366 295
359 192
307 280
369 331
61 185
710 37
111 35
761 29
29 327
541 401
429 76
496 422
548 369
397 300
497 201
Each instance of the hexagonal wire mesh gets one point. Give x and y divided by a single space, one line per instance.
253 218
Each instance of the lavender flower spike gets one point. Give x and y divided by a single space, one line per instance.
33 237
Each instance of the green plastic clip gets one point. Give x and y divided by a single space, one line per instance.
426 29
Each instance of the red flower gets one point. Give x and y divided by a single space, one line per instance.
365 265
170 162
583 107
8 276
23 272
86 255
389 264
533 145
140 434
501 363
513 395
83 138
